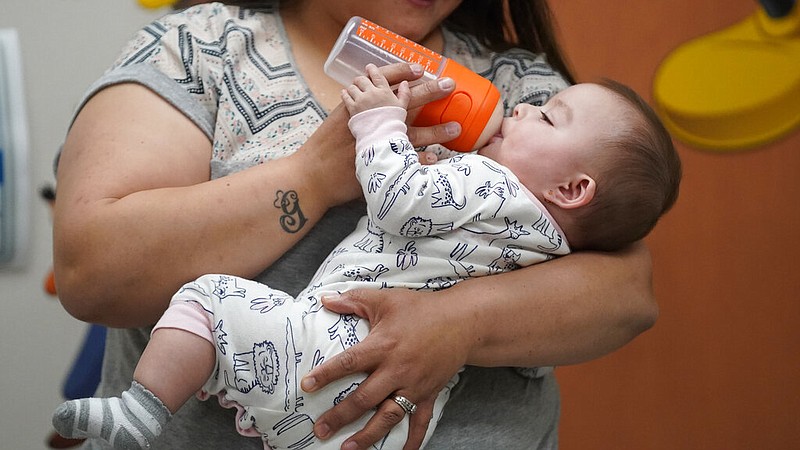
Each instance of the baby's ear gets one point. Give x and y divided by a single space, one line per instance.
573 194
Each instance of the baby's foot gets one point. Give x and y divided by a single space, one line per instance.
132 421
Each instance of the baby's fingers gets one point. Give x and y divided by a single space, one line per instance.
404 94
376 76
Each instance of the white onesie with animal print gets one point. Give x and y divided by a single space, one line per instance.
427 227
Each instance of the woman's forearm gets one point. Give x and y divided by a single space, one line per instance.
566 311
122 259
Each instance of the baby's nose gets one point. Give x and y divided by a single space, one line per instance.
521 110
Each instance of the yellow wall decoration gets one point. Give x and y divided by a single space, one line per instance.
155 4
736 88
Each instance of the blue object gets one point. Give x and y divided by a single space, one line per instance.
777 8
84 376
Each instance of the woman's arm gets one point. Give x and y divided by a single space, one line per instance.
572 309
565 311
137 216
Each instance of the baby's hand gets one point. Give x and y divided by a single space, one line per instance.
373 91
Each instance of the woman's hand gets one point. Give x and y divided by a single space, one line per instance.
413 349
329 152
328 156
422 94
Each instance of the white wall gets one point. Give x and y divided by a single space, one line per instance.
66 44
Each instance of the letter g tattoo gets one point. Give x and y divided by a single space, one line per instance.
292 219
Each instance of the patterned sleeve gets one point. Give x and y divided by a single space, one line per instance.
187 46
164 57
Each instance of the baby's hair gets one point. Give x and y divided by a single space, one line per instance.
637 181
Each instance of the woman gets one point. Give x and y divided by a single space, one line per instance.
142 209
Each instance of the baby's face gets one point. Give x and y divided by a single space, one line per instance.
545 146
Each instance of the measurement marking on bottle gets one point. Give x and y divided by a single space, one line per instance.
399 46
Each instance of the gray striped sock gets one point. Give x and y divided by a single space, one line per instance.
132 421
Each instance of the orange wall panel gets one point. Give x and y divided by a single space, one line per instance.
720 370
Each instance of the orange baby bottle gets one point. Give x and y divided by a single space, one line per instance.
475 103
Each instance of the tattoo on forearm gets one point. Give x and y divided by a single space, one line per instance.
292 219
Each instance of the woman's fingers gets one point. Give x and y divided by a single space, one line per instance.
431 90
420 96
436 134
356 359
386 417
351 360
418 424
422 92
415 365
370 393
395 73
